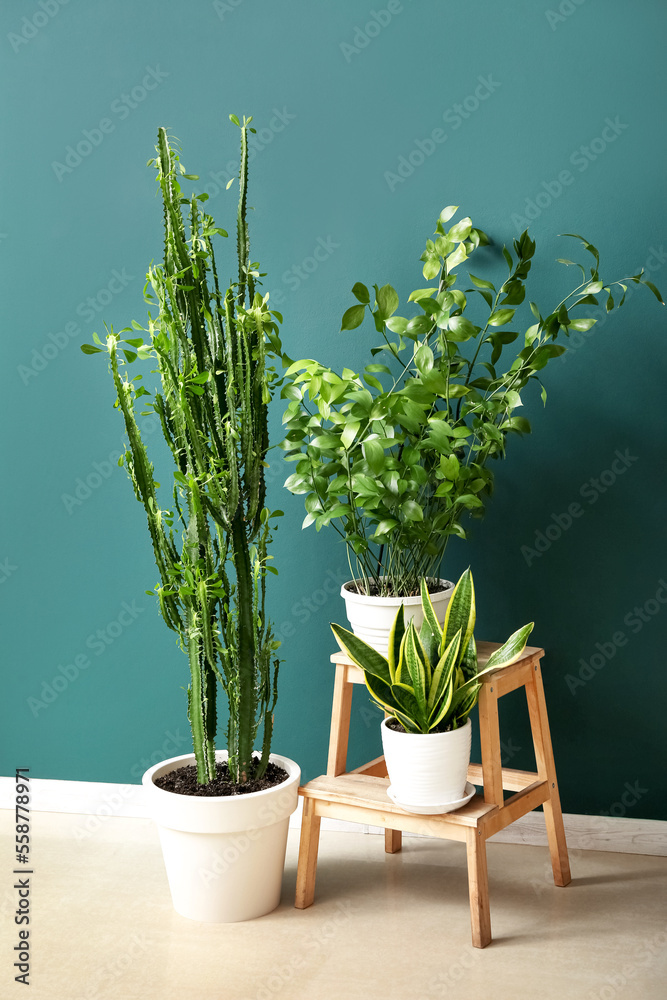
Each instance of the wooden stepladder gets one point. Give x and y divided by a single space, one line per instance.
360 796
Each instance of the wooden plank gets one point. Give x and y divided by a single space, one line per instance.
478 889
512 780
308 848
376 767
505 683
364 791
553 816
393 841
428 826
340 721
518 805
489 736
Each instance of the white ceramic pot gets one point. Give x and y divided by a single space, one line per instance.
371 618
224 855
427 769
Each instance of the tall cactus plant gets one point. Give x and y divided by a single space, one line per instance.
212 349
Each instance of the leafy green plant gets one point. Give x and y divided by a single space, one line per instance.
430 680
394 457
210 347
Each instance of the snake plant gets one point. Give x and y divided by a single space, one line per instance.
430 680
210 347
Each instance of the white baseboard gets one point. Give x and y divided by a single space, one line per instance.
584 833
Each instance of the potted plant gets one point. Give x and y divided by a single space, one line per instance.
222 815
395 457
428 684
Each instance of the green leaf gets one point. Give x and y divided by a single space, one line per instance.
447 213
235 120
374 455
396 634
419 325
421 293
461 612
89 349
656 292
353 317
581 324
424 359
439 435
461 231
418 670
362 654
442 674
411 511
397 324
510 650
361 292
501 316
481 283
450 467
462 328
349 433
387 301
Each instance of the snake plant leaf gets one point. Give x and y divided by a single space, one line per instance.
381 693
430 633
510 650
461 612
362 654
407 703
443 673
469 659
395 639
418 668
465 705
444 709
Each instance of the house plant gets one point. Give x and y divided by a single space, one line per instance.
394 457
428 684
222 815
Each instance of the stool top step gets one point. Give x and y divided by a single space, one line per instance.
484 650
371 793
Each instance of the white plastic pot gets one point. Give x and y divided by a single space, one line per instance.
371 618
427 769
224 855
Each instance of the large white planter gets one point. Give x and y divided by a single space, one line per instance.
371 618
427 769
224 855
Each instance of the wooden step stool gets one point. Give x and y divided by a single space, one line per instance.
360 796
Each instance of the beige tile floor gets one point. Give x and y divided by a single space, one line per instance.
385 927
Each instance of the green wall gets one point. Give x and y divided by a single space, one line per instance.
523 96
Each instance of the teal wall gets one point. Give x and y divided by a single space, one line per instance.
338 110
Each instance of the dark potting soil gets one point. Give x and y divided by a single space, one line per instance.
398 727
374 591
183 781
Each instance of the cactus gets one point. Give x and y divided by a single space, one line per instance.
212 350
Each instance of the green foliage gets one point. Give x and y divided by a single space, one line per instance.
394 457
210 348
430 679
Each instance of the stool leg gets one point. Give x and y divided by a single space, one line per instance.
478 888
340 722
393 841
308 846
489 736
553 816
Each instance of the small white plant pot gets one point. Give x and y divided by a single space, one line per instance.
371 618
427 769
224 855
